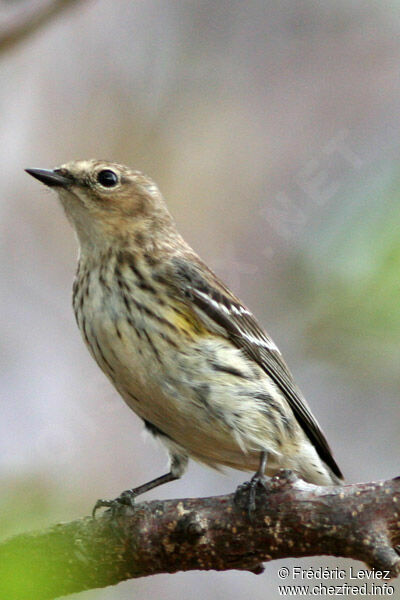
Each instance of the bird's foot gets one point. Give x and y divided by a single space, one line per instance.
246 493
125 499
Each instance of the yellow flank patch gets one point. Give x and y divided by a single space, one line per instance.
187 321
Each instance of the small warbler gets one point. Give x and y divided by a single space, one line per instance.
183 352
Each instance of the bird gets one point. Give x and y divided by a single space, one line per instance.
185 354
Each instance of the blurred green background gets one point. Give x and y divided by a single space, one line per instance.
272 129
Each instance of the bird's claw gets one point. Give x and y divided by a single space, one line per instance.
123 500
246 493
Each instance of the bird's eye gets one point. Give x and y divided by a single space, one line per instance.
107 178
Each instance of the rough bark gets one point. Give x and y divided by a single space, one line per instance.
292 519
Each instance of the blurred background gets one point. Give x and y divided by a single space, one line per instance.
272 128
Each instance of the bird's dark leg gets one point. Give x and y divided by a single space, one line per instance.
250 487
178 466
127 498
257 479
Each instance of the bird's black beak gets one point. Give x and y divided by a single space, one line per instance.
49 177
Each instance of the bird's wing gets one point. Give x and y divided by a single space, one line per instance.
217 306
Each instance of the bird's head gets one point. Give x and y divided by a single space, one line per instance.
107 202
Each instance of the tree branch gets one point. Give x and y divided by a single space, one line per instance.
292 519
